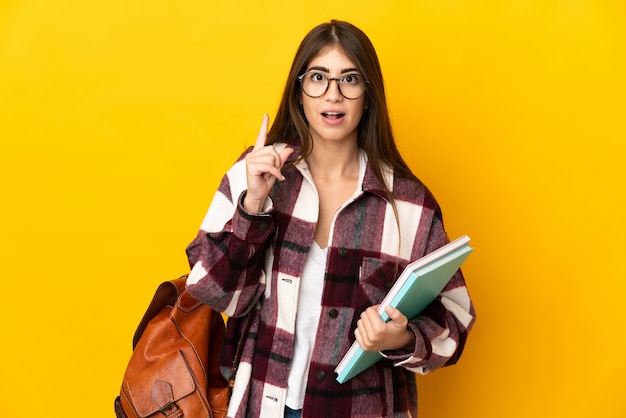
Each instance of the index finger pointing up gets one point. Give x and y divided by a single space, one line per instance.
260 140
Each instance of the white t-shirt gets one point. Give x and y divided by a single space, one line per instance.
307 318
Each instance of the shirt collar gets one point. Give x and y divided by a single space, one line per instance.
371 183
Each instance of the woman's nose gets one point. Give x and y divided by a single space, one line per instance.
334 92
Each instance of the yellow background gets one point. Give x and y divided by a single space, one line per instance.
118 118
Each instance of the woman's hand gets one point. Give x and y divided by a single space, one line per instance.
263 165
373 334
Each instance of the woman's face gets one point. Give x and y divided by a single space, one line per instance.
331 116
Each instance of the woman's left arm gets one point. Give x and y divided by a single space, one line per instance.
433 339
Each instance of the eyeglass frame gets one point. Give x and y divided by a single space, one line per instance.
328 80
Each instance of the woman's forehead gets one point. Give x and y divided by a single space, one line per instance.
332 57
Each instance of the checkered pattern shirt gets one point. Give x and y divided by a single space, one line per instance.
242 262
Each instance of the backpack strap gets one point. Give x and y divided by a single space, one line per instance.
166 294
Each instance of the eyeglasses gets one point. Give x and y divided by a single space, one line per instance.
315 84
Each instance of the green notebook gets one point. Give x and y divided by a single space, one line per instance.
418 285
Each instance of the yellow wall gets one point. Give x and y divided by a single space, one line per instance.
117 119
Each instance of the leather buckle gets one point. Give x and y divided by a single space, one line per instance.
171 410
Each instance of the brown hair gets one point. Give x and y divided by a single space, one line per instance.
375 135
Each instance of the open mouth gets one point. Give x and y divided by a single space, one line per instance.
333 115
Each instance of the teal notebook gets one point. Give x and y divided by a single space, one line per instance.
418 285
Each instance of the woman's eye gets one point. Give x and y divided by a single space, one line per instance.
317 77
350 79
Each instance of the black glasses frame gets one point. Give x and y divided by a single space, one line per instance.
328 80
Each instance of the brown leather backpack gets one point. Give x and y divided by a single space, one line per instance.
174 367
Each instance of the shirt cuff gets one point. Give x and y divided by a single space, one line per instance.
406 356
253 227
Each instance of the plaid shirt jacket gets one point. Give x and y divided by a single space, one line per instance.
242 262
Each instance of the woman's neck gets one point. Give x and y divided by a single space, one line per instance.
334 161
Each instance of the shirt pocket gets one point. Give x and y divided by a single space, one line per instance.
376 278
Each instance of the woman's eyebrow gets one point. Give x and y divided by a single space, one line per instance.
322 69
326 70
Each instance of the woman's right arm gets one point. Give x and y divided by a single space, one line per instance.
227 264
227 255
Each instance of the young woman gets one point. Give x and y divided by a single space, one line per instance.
307 232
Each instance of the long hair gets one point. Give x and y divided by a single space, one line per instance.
375 134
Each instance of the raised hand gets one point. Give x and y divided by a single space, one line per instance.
263 165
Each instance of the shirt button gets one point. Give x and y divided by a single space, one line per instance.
264 226
320 375
343 251
333 313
